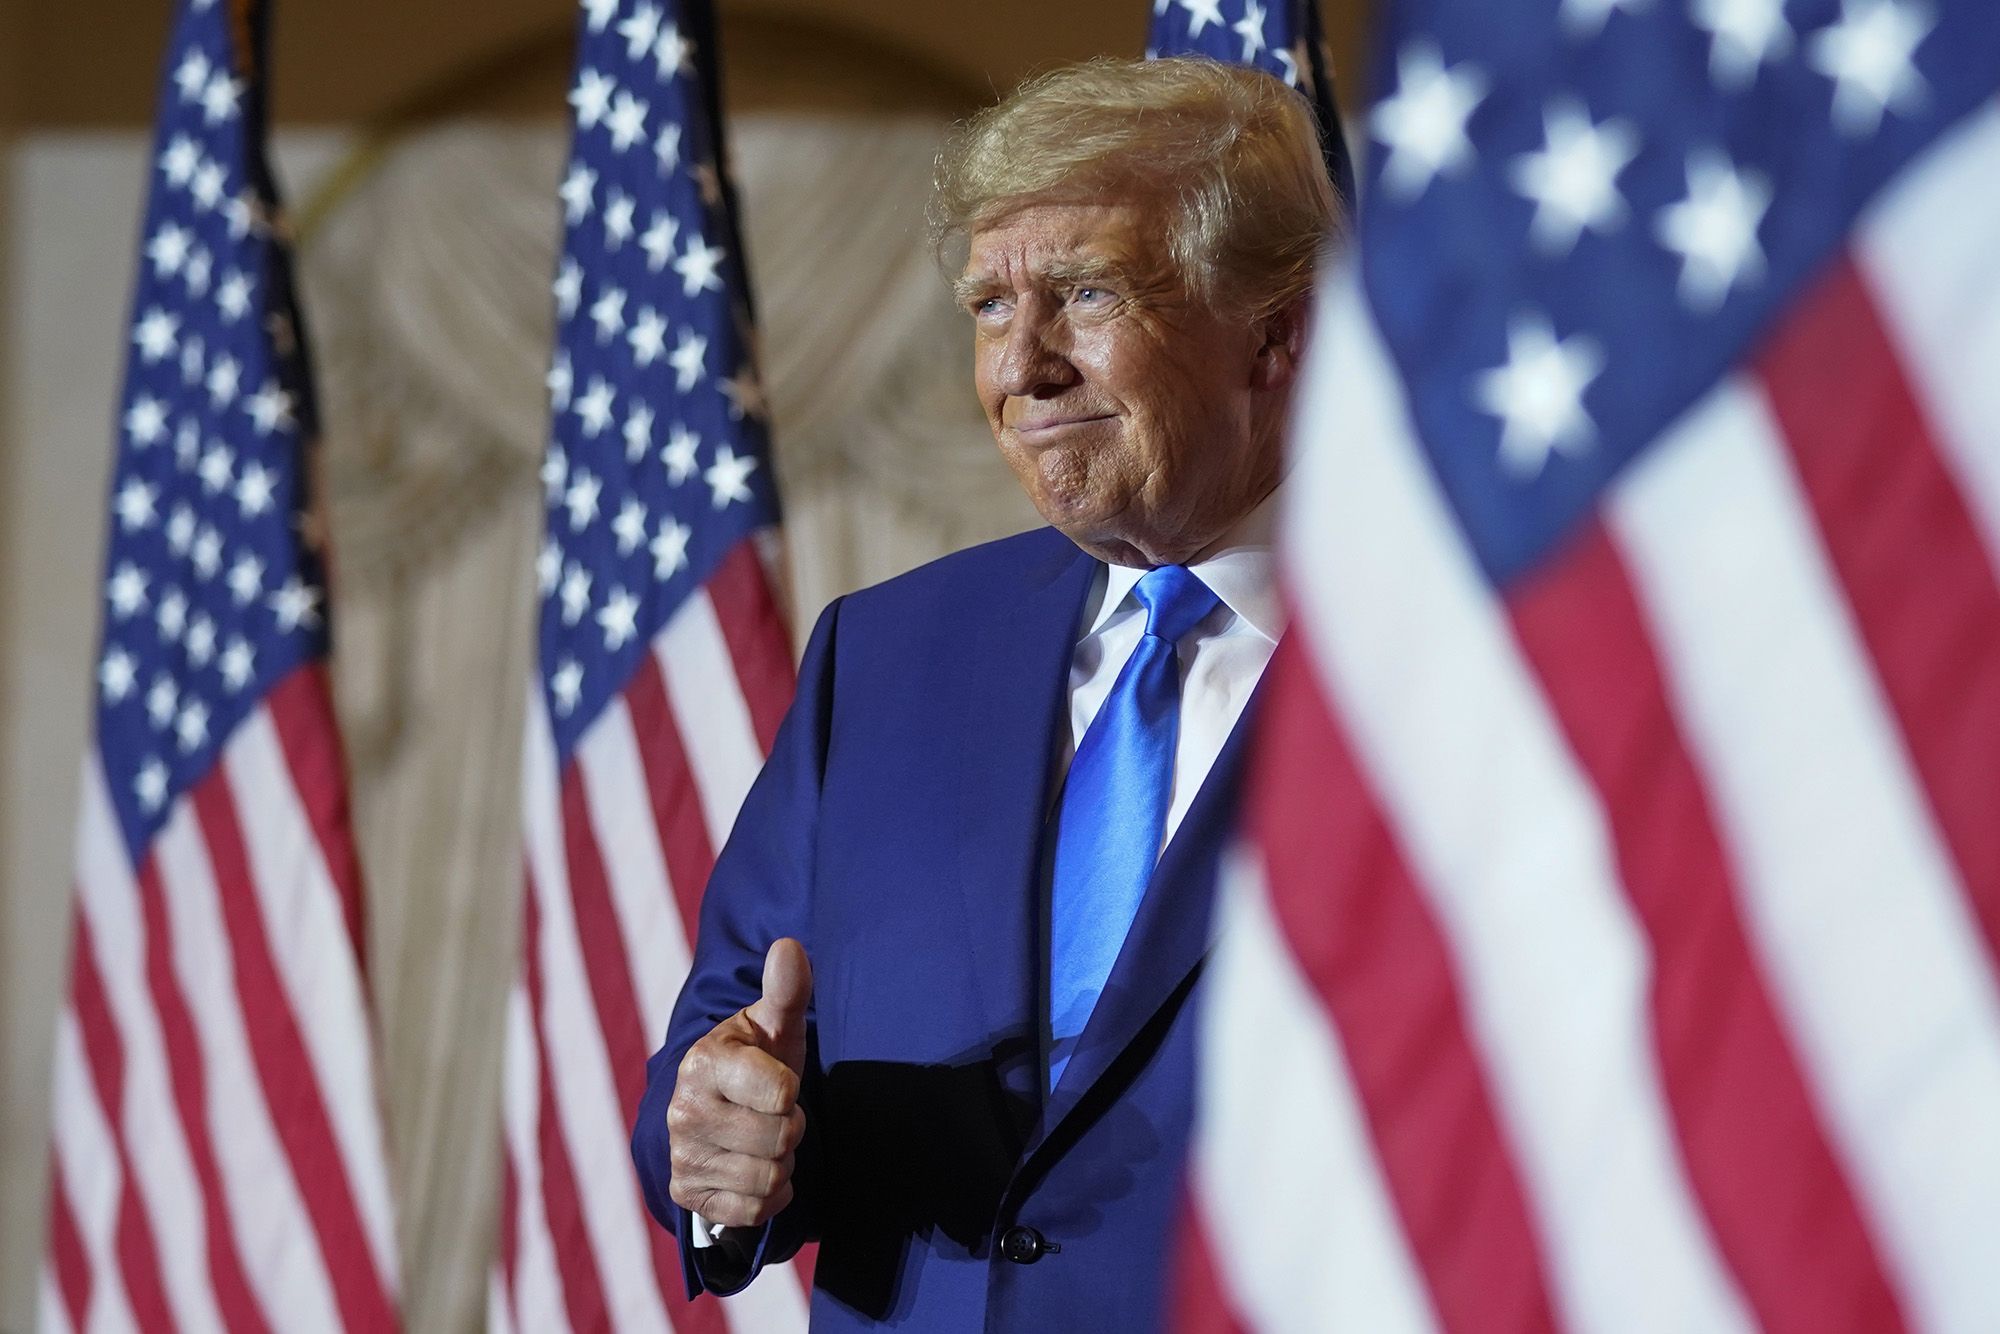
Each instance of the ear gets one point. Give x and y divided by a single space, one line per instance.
1281 346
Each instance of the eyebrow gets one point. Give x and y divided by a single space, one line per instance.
970 288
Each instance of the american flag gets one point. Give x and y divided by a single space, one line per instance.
218 1161
664 670
1281 37
1614 947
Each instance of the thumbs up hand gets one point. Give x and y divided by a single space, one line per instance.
735 1120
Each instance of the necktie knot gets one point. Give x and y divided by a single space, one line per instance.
1175 601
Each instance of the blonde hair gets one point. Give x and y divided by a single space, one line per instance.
1233 148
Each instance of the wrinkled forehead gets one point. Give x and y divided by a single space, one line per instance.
1042 242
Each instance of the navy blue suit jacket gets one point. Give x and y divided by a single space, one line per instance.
898 831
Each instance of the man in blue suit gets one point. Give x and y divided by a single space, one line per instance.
939 1017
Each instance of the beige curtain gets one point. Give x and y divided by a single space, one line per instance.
427 289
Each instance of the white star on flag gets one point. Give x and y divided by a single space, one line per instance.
181 159
180 530
745 394
1538 394
232 297
591 97
555 472
246 579
648 337
1251 29
581 500
171 615
1201 13
627 120
638 432
238 664
270 408
207 554
640 30
567 685
1743 36
669 548
218 100
577 191
162 700
667 148
191 76
150 786
1574 178
200 641
575 593
135 504
168 249
146 420
686 359
1869 55
548 566
192 727
196 274
254 490
191 361
295 604
1423 124
218 466
697 266
208 185
157 334
617 220
126 591
594 408
116 675
567 288
658 242
671 52
561 382
1714 229
608 314
728 476
619 618
679 454
630 525
223 378
599 12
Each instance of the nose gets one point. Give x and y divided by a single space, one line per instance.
1029 364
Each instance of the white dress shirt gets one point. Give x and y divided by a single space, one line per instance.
1222 658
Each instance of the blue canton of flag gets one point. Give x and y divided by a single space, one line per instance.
1281 37
659 462
211 594
1571 241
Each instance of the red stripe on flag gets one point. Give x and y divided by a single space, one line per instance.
301 708
805 1264
1366 940
1908 555
759 644
66 1250
671 787
1759 1159
186 1071
569 1234
138 1256
510 1231
1196 1303
291 1087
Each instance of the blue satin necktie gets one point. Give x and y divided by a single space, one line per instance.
1114 808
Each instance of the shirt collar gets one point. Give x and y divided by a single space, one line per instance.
1241 569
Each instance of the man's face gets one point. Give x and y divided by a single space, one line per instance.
1142 424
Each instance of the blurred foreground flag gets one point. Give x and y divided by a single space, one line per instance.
217 1157
664 670
1281 37
1614 944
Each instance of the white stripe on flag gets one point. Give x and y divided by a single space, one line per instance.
538 1294
274 1234
51 1316
622 823
1508 841
89 1161
1928 249
1320 1246
587 1107
499 1315
148 1122
774 1304
710 711
1849 894
306 928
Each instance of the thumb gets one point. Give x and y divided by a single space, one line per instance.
779 1015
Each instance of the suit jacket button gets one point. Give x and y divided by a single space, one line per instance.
1023 1245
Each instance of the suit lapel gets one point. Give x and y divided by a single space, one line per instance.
1015 686
1169 936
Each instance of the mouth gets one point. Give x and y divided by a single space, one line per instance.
1045 432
